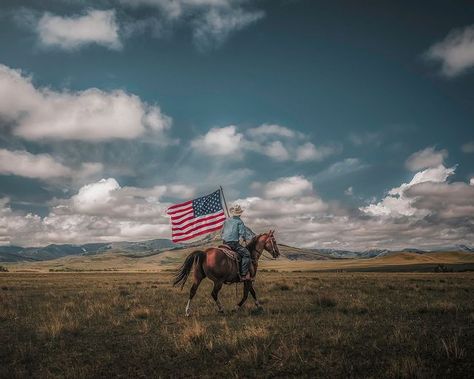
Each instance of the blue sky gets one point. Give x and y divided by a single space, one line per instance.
339 125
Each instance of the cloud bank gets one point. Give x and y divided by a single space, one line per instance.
42 166
427 212
399 203
274 141
99 211
89 115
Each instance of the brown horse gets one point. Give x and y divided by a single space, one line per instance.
217 266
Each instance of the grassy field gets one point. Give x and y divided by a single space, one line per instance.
396 325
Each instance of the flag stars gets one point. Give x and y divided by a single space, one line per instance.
207 204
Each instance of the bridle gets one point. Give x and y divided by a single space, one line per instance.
272 242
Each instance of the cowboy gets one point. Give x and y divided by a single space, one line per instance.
233 230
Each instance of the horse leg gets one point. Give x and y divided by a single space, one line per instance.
198 277
245 295
254 295
215 294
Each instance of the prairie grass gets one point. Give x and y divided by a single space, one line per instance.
311 325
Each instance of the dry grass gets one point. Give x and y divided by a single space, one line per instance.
311 325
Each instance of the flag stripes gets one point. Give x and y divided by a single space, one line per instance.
196 217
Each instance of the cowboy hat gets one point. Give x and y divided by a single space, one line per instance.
236 210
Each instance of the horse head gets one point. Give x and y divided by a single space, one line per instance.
270 244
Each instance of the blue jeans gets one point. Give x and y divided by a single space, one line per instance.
244 256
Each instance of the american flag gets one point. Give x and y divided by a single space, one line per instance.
196 217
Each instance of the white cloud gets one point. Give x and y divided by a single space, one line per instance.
276 151
468 147
107 198
179 191
95 26
455 53
341 168
426 158
349 191
309 152
266 130
22 163
42 166
263 139
261 210
96 197
89 169
435 174
219 141
90 115
398 204
215 25
211 21
288 187
179 8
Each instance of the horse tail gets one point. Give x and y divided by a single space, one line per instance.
183 273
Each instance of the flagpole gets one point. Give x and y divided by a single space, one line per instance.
225 203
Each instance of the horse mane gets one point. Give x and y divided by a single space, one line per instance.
253 242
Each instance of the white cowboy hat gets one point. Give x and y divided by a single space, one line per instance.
236 210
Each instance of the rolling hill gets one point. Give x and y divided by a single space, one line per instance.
161 254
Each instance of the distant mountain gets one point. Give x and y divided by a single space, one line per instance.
156 246
465 248
413 250
348 254
53 251
297 254
375 253
17 253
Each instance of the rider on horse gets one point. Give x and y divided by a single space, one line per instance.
233 230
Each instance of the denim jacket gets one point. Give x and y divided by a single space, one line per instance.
234 228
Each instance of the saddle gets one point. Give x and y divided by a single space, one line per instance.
229 252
